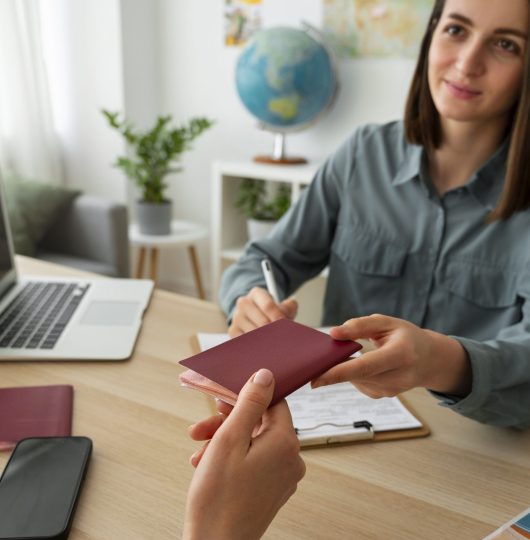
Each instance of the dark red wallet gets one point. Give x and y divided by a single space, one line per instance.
34 411
296 354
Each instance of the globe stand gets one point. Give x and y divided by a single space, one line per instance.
278 154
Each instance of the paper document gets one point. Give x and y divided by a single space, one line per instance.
343 404
330 411
207 341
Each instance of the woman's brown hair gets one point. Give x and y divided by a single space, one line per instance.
422 126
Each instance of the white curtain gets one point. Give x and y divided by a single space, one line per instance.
28 142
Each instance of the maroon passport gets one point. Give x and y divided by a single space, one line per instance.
296 354
34 411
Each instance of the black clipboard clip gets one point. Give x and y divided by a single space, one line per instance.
343 437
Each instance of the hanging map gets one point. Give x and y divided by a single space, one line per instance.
375 28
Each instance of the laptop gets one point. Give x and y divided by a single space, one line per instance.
44 318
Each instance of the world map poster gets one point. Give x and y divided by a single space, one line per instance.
375 28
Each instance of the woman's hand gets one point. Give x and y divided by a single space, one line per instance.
248 470
257 309
406 357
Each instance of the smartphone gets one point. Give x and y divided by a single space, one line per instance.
40 486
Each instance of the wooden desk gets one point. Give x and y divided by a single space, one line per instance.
459 483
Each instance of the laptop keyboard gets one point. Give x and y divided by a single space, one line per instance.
37 316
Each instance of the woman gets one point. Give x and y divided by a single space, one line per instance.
426 223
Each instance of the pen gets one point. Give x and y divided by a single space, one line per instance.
269 279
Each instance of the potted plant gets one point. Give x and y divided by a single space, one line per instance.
263 203
155 154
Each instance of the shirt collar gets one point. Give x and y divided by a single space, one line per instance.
410 166
485 184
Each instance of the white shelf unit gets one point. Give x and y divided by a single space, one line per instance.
229 233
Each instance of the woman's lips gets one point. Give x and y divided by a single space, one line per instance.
461 92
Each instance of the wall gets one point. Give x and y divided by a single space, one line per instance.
141 71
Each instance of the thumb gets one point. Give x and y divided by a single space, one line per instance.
289 307
252 402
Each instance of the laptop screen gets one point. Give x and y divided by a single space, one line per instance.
7 266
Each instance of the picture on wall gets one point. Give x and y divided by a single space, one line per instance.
242 20
375 28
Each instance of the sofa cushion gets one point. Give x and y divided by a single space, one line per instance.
32 208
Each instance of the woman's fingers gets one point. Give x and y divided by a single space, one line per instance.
371 327
289 308
223 407
249 308
205 429
362 368
195 459
257 309
266 304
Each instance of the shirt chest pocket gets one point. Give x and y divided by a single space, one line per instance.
483 286
372 269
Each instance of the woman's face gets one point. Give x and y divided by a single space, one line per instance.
476 59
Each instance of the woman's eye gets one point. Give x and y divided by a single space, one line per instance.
508 46
454 30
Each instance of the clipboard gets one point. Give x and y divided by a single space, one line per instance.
366 431
369 433
394 435
340 413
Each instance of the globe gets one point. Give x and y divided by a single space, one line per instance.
286 79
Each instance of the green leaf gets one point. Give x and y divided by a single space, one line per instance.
157 150
257 202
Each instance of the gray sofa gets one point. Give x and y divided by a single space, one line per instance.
92 235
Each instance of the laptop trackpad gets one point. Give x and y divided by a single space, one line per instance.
110 313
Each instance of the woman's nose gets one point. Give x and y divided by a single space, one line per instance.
470 60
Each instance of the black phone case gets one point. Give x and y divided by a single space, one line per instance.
63 534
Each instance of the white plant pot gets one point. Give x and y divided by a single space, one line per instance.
257 229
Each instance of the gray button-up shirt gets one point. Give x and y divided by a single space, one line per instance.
393 246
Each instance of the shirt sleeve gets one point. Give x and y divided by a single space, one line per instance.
299 246
500 393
